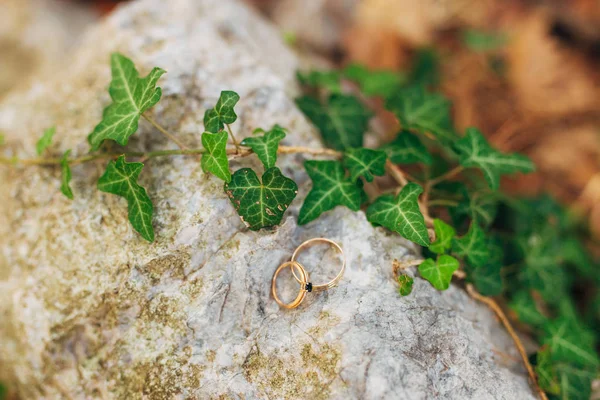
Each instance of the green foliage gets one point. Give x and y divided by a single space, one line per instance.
365 162
526 309
65 169
131 96
261 204
331 188
342 119
3 392
569 342
444 234
439 272
481 208
120 178
45 141
483 41
401 214
405 283
266 146
375 83
425 112
216 118
425 68
329 80
407 149
475 151
214 160
473 246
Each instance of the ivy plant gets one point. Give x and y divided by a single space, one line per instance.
433 185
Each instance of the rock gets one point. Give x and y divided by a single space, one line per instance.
90 310
35 35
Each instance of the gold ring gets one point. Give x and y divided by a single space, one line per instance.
334 281
304 284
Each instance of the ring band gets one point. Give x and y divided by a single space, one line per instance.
334 281
304 284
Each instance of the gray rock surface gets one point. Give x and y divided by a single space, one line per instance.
90 310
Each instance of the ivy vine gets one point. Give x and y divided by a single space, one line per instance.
444 196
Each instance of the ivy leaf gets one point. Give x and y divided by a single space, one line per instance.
425 69
375 83
214 160
329 80
342 121
439 273
266 146
569 342
216 118
120 178
401 214
526 309
45 141
444 234
406 285
546 373
66 175
473 246
131 96
487 279
575 382
475 151
423 111
481 208
331 188
407 149
261 204
365 162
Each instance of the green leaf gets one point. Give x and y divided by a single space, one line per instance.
481 208
475 151
214 160
375 83
266 146
425 69
483 41
329 80
407 149
45 141
342 121
487 279
223 113
473 246
546 373
331 188
3 392
569 342
439 273
365 162
131 96
120 178
423 111
261 204
401 214
66 175
406 285
575 382
444 234
526 309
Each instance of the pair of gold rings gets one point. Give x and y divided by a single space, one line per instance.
303 277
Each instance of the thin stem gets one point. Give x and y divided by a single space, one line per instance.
443 203
396 173
234 153
454 171
500 314
235 142
165 132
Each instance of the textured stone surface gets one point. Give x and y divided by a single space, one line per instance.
90 310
